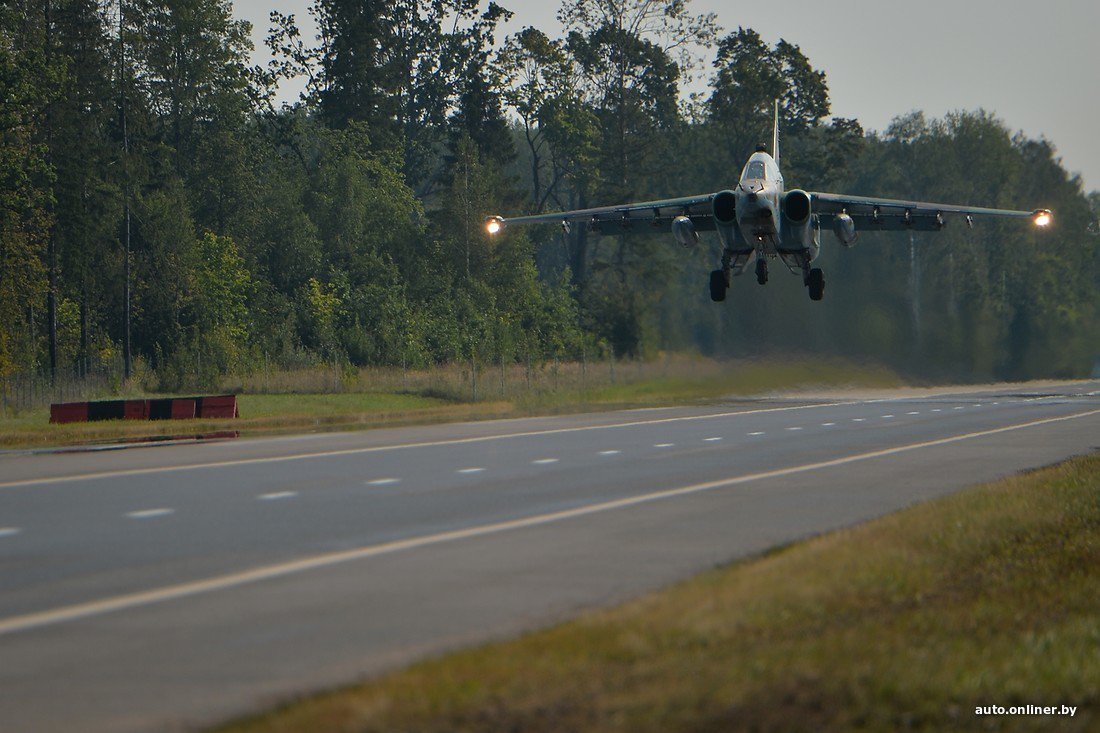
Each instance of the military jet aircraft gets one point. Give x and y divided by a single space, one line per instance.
759 220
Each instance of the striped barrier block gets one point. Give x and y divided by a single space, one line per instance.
218 406
65 412
183 409
166 408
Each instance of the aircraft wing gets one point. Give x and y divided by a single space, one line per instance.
874 214
624 218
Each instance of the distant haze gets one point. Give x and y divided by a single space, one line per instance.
1035 66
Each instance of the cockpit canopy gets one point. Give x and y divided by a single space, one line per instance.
755 170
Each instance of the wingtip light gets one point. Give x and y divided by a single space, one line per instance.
1042 217
493 225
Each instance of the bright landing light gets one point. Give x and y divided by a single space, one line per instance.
1042 218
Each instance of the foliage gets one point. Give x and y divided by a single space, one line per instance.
348 228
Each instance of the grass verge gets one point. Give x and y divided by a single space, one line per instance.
386 397
909 622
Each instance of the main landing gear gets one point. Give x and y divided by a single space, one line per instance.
761 270
719 284
815 282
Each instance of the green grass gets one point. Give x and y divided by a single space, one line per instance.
909 622
324 399
260 414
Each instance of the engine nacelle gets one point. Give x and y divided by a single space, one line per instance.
796 206
724 205
845 229
684 230
799 224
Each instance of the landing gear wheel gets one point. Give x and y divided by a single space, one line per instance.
718 285
761 270
815 281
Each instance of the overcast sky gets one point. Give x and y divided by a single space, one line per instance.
1037 66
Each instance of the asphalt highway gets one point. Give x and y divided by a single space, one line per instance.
171 587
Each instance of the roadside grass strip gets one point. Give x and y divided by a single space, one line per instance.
912 621
391 403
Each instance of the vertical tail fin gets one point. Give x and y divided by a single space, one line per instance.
775 135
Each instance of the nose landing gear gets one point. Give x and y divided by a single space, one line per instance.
761 270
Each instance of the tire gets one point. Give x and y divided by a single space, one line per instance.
718 286
816 284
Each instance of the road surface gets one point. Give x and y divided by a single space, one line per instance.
171 587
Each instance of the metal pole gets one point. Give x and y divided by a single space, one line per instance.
127 353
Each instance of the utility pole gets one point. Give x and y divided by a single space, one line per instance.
914 287
51 253
127 354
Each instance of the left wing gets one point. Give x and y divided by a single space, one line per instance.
624 218
873 214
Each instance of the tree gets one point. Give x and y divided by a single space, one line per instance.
750 76
26 179
192 62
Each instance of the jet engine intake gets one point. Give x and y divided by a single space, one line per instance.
796 206
724 205
845 229
684 231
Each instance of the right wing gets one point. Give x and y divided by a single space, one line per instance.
875 214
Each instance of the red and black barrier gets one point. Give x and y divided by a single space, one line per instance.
168 408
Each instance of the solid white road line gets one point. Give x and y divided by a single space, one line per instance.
472 469
78 611
150 513
384 482
403 446
9 531
544 461
275 496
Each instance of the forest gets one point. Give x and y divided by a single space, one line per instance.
162 211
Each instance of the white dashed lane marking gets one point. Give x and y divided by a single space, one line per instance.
758 432
663 445
711 440
794 428
912 413
9 531
384 482
610 452
472 469
150 513
544 461
936 409
827 424
858 419
960 407
275 496
886 417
